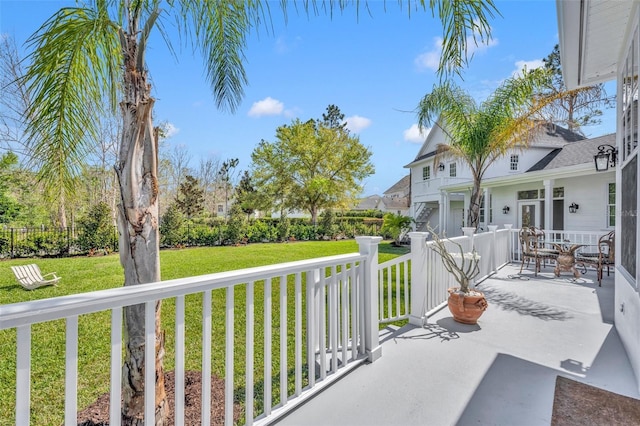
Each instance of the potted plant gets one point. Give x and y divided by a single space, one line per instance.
465 303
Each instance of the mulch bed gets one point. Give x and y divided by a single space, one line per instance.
576 403
97 414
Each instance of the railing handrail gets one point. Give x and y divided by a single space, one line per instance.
395 261
31 312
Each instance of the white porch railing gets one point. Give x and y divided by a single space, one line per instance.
588 238
393 289
334 308
336 297
430 280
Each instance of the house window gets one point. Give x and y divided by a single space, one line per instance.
220 208
426 173
629 89
490 208
481 210
528 195
452 170
558 192
513 164
611 206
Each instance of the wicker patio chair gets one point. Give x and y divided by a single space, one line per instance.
532 245
605 257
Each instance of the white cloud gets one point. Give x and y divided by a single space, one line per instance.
170 130
529 65
355 123
430 60
283 45
414 135
267 106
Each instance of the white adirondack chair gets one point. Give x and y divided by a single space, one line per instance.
30 277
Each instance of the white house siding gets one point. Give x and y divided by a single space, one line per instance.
593 195
584 55
627 314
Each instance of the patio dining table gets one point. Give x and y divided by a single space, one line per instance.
566 260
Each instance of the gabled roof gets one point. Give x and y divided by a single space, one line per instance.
401 185
555 137
370 203
396 203
573 153
552 137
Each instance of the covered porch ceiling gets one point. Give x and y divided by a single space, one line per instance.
588 29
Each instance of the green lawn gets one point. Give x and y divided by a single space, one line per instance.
82 274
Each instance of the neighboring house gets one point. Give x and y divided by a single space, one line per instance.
397 198
529 186
394 200
372 202
600 41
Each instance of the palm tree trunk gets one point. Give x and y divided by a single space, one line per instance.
139 252
473 219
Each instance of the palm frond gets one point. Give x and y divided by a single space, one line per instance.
220 29
461 21
449 104
74 66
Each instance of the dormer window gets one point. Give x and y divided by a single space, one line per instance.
513 164
426 173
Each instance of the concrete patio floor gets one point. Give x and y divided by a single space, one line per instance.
501 371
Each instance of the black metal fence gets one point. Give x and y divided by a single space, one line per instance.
56 242
46 242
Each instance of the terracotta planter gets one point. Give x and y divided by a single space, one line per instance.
466 308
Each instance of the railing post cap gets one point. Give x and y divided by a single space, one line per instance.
368 240
468 230
418 234
493 228
508 226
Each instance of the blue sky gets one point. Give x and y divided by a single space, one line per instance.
374 68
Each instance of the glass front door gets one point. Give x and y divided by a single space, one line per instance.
529 214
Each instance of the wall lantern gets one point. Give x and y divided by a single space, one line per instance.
573 207
505 209
606 157
441 167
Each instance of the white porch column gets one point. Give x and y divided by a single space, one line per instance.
493 229
368 246
442 213
412 212
548 204
419 249
486 205
466 203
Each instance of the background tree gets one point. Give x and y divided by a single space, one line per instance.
321 163
207 173
245 195
171 226
226 174
9 206
334 119
573 109
82 55
97 227
478 134
179 159
190 199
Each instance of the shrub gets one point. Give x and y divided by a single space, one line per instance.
97 229
171 223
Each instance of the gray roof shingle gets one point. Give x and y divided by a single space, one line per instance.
573 153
